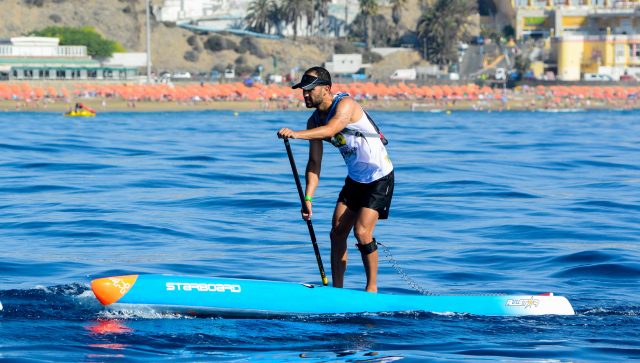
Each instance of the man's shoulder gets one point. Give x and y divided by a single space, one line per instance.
347 101
350 105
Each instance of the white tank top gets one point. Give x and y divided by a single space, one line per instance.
366 157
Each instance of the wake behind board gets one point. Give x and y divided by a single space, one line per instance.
225 296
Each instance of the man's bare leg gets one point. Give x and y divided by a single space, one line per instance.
364 226
343 221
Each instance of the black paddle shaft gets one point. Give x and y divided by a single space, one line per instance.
305 210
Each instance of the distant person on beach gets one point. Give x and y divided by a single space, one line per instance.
368 189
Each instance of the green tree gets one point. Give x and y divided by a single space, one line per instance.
523 64
276 17
292 12
490 33
508 32
368 9
396 10
310 15
383 33
97 46
441 27
323 9
260 16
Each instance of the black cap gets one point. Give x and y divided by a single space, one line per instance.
309 82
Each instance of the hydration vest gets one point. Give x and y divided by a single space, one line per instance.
332 111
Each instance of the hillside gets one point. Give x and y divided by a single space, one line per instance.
174 48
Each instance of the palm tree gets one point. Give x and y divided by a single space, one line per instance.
310 15
441 26
396 10
319 10
292 12
368 8
259 16
323 9
276 17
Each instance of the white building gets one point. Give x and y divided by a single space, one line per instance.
130 60
40 47
177 10
41 58
345 63
218 15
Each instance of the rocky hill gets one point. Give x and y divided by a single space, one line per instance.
174 48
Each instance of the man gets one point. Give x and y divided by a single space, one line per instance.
366 195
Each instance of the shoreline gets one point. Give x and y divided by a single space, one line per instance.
277 97
515 104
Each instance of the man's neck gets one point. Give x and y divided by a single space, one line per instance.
325 106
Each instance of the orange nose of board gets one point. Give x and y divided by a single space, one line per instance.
110 289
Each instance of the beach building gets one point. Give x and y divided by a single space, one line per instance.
228 15
544 18
598 57
176 10
345 64
42 58
600 37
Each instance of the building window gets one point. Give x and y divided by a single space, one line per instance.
60 74
634 50
620 56
536 3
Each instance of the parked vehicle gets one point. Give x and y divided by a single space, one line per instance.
501 74
597 77
275 78
628 78
181 75
477 40
214 75
408 74
165 77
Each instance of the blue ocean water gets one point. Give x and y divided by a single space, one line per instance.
514 202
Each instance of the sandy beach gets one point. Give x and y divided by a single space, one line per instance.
237 97
514 104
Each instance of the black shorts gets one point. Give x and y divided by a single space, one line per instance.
375 195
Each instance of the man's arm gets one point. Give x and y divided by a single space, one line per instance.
314 165
343 117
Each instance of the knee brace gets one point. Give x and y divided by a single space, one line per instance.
367 249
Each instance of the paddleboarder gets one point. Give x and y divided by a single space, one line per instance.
366 195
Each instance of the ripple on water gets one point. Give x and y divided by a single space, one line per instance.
602 272
484 202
